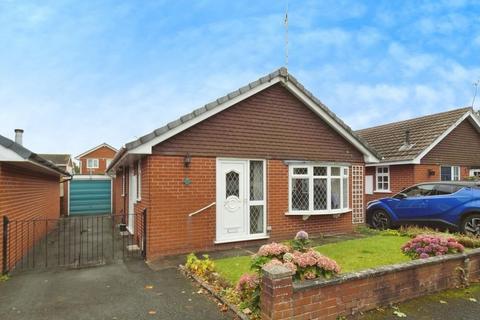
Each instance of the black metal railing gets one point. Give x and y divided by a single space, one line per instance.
73 241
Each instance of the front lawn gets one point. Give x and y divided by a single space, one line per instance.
351 255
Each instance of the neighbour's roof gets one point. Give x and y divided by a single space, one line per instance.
96 148
390 139
58 159
219 104
28 155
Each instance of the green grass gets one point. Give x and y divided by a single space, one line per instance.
351 255
232 268
360 254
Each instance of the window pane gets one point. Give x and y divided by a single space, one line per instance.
345 192
444 189
319 194
319 171
300 170
385 169
335 171
256 180
446 173
335 189
456 173
232 184
300 194
256 219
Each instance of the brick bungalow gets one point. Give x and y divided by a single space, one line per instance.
96 160
438 147
260 163
28 189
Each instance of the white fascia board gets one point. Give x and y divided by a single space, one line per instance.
367 155
91 177
146 148
446 133
391 163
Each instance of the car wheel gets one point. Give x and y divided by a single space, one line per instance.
471 225
380 220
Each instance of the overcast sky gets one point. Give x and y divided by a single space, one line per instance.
75 74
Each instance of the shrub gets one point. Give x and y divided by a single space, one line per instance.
424 246
200 267
468 241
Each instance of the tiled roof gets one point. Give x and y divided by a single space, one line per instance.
29 155
282 72
58 159
389 139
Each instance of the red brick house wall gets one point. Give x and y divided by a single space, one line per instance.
102 154
171 231
272 125
26 195
406 175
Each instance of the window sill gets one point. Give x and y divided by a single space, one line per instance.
382 191
316 213
248 238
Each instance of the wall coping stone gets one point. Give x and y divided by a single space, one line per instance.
276 272
374 272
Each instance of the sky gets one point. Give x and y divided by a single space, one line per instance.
74 74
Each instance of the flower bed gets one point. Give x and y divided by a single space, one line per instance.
297 256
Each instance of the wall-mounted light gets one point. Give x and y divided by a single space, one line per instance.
431 172
187 160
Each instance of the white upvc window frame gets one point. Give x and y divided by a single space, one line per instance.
263 202
474 173
95 160
454 173
139 180
381 175
344 173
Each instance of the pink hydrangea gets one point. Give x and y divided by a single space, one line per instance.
272 250
424 246
247 281
313 258
289 265
301 235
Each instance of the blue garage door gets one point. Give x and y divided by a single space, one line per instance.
90 197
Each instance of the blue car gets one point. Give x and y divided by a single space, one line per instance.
455 205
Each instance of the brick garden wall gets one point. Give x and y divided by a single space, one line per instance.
171 231
355 292
26 195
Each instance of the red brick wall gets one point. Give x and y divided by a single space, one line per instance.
403 176
26 195
171 231
355 293
102 154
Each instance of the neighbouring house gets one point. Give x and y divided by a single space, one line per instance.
64 162
438 147
28 190
260 163
96 160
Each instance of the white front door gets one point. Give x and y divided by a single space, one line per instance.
241 204
132 195
231 199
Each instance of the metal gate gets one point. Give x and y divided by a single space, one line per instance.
72 242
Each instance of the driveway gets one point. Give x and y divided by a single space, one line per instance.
125 290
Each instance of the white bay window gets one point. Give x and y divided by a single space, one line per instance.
318 189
